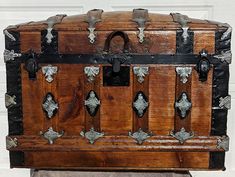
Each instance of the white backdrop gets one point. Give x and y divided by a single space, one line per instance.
13 12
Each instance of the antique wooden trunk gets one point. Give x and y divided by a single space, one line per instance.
118 91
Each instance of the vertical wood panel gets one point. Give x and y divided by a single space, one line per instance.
116 108
30 40
204 40
140 122
180 88
161 98
92 121
202 103
71 99
32 98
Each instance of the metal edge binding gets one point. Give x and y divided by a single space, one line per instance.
91 135
140 16
140 136
93 17
11 142
225 56
10 55
183 20
10 100
51 21
8 34
226 25
223 143
224 103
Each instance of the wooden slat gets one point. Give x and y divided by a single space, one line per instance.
91 121
30 40
181 87
161 42
32 98
70 84
204 40
116 108
202 102
122 143
161 99
143 87
118 160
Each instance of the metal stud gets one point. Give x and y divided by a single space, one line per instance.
182 135
92 103
183 105
49 105
51 135
91 135
49 71
140 136
140 72
140 104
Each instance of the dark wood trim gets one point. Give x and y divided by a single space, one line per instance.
181 46
140 122
217 160
17 159
180 88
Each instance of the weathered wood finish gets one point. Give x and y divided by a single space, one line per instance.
118 160
116 150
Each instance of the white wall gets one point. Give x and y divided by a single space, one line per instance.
13 12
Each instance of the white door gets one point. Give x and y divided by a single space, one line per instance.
13 12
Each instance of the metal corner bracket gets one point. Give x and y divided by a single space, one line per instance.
10 100
11 142
223 143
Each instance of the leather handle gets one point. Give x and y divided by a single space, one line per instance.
112 35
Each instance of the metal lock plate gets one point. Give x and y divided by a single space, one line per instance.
121 78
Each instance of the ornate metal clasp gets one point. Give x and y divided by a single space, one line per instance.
182 135
223 143
49 71
140 136
11 142
10 55
140 104
49 105
140 72
184 73
91 72
91 135
51 135
92 103
10 100
183 105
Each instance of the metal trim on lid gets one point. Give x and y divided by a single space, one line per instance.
140 16
51 21
93 17
183 20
